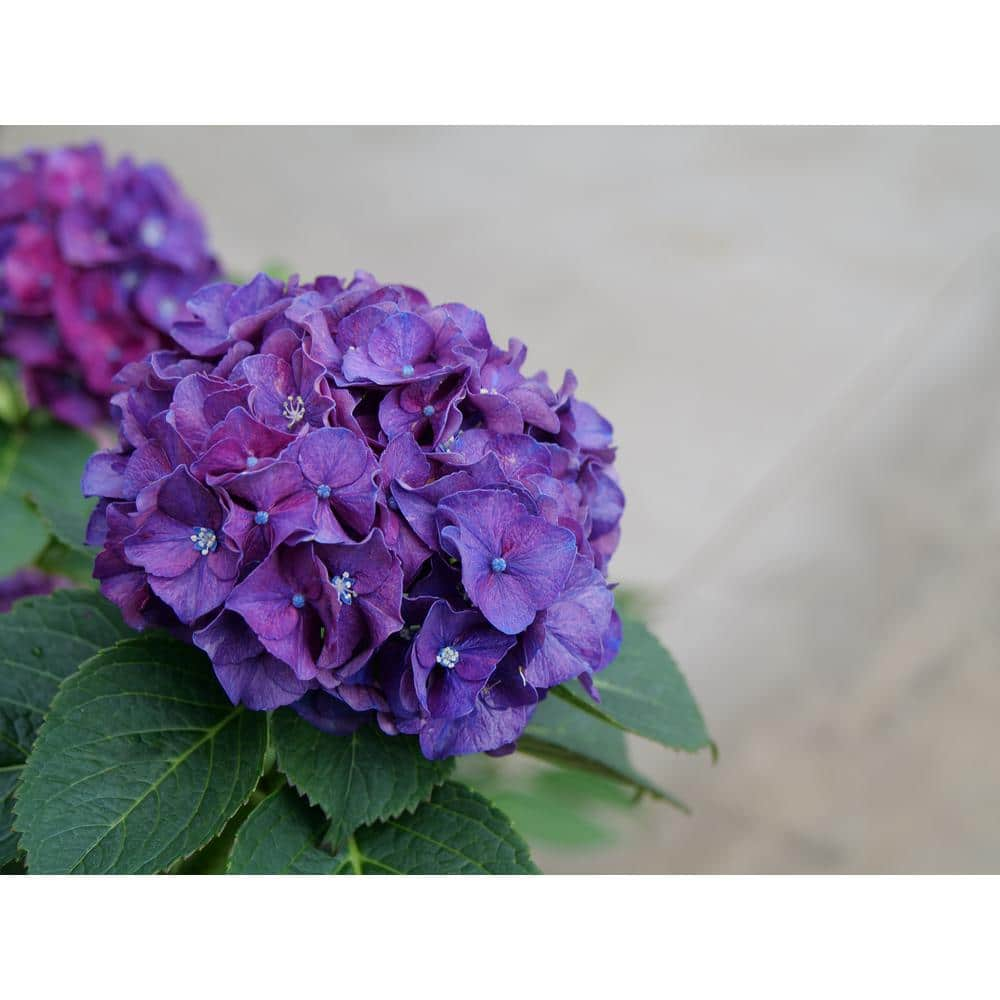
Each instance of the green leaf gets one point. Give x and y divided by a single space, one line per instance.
543 820
456 832
42 641
8 839
48 463
644 692
140 761
281 837
40 469
13 405
572 809
560 734
24 534
76 564
355 779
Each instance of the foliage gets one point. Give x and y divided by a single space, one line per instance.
44 515
119 753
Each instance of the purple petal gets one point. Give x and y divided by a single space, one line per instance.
567 638
248 673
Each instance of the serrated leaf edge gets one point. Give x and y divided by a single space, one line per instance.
152 633
382 818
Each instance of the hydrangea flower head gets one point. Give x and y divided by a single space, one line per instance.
96 264
359 505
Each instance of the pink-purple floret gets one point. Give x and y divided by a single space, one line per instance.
358 505
96 263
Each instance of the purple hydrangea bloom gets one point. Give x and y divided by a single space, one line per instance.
359 506
96 264
28 582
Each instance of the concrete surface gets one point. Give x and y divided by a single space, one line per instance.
795 334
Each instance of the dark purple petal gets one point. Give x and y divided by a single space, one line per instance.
513 563
28 582
285 602
368 602
277 500
104 475
453 656
248 673
340 470
326 712
501 712
200 589
239 444
568 637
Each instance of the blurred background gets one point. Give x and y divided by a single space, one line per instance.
796 333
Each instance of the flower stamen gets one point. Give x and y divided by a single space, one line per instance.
205 540
293 410
343 584
447 657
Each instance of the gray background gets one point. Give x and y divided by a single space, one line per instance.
795 332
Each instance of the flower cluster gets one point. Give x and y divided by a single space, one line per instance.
28 582
358 505
96 263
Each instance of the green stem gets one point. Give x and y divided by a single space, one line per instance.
354 853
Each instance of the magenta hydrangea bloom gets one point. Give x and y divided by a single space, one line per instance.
358 505
96 264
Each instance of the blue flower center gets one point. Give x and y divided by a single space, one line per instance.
407 371
451 442
428 410
323 491
343 584
498 564
447 656
152 232
204 540
166 308
298 600
252 460
261 517
391 501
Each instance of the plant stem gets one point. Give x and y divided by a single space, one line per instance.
354 852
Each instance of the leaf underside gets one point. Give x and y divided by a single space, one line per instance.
645 693
140 761
561 734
